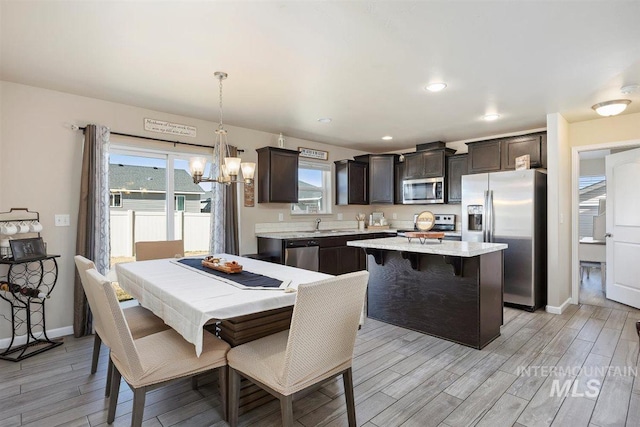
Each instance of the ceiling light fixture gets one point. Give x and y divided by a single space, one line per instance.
611 108
435 87
491 117
387 138
228 167
325 120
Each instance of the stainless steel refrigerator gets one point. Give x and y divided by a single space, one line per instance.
511 207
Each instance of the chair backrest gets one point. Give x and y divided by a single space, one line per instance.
324 326
158 250
114 325
83 265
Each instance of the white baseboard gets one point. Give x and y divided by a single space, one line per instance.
51 333
558 310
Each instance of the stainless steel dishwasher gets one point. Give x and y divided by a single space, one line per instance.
302 254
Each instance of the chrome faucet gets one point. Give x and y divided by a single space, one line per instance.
318 224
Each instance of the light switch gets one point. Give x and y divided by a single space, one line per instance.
62 220
339 217
394 216
280 217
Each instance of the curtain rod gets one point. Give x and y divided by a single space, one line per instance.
154 139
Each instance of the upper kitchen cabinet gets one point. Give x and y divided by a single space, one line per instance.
456 167
484 156
352 183
426 164
277 175
398 175
500 154
520 146
381 177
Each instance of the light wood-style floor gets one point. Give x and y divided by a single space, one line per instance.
401 377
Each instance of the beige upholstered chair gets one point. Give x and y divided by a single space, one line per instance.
318 347
158 250
141 321
151 360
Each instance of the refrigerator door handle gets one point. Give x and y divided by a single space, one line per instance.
485 219
490 226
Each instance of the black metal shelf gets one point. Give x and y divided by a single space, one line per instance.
29 284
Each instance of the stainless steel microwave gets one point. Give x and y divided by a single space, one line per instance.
422 191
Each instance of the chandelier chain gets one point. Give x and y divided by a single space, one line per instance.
220 124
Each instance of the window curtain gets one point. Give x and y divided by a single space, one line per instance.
224 213
92 239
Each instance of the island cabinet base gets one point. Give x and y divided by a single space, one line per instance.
455 298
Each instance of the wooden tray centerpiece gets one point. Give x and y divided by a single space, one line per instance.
214 263
424 235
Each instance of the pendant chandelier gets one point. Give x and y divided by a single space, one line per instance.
229 167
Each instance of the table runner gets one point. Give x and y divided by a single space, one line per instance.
244 278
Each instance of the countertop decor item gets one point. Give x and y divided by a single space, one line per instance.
425 221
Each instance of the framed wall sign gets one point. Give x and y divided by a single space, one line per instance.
312 153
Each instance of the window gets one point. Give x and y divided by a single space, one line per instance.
180 203
592 189
115 200
314 188
163 203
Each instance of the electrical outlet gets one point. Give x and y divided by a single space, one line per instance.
62 220
339 217
394 216
281 217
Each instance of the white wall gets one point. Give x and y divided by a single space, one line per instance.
558 212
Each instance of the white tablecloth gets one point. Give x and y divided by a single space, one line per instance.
186 299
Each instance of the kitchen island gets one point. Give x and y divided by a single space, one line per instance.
452 290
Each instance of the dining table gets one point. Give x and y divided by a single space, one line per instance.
187 296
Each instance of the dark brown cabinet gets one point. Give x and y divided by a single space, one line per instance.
340 260
352 183
484 156
277 175
381 179
456 167
413 165
426 164
381 171
500 154
520 146
398 175
334 256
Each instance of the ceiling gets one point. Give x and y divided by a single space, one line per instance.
363 64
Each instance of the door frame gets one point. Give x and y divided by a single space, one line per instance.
575 202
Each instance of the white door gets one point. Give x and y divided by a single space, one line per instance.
623 227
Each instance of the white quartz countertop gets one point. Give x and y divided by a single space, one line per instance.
321 233
331 233
450 248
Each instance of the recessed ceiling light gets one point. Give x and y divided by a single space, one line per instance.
387 138
435 87
611 108
325 120
491 117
